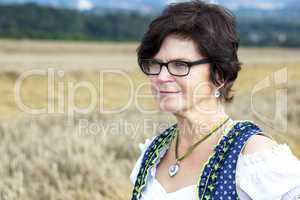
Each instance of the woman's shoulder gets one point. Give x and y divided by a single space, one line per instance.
258 142
269 172
267 169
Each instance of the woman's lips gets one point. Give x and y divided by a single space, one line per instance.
162 93
168 92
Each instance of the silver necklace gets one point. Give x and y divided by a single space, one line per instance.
174 168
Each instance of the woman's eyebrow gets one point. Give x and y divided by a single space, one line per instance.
174 59
182 59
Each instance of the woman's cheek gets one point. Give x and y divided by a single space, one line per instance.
154 91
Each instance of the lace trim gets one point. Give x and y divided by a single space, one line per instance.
262 156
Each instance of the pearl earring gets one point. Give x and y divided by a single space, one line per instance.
217 93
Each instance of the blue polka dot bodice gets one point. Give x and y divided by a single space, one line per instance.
217 180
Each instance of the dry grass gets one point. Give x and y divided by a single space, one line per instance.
53 157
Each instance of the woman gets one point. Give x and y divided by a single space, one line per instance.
189 54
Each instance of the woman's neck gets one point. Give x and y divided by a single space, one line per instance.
194 124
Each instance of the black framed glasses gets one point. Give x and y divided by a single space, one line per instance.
174 67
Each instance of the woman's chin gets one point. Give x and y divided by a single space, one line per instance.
171 106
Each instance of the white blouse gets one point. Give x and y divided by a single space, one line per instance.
268 175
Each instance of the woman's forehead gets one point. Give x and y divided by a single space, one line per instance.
174 47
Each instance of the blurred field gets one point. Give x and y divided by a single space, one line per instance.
90 156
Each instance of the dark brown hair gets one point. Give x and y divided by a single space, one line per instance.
212 28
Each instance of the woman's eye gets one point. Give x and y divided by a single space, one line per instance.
179 64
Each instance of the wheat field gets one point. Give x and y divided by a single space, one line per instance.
64 154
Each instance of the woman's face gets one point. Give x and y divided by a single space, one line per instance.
174 93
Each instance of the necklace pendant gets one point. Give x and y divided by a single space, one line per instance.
173 169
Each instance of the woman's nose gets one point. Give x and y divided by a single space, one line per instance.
164 74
